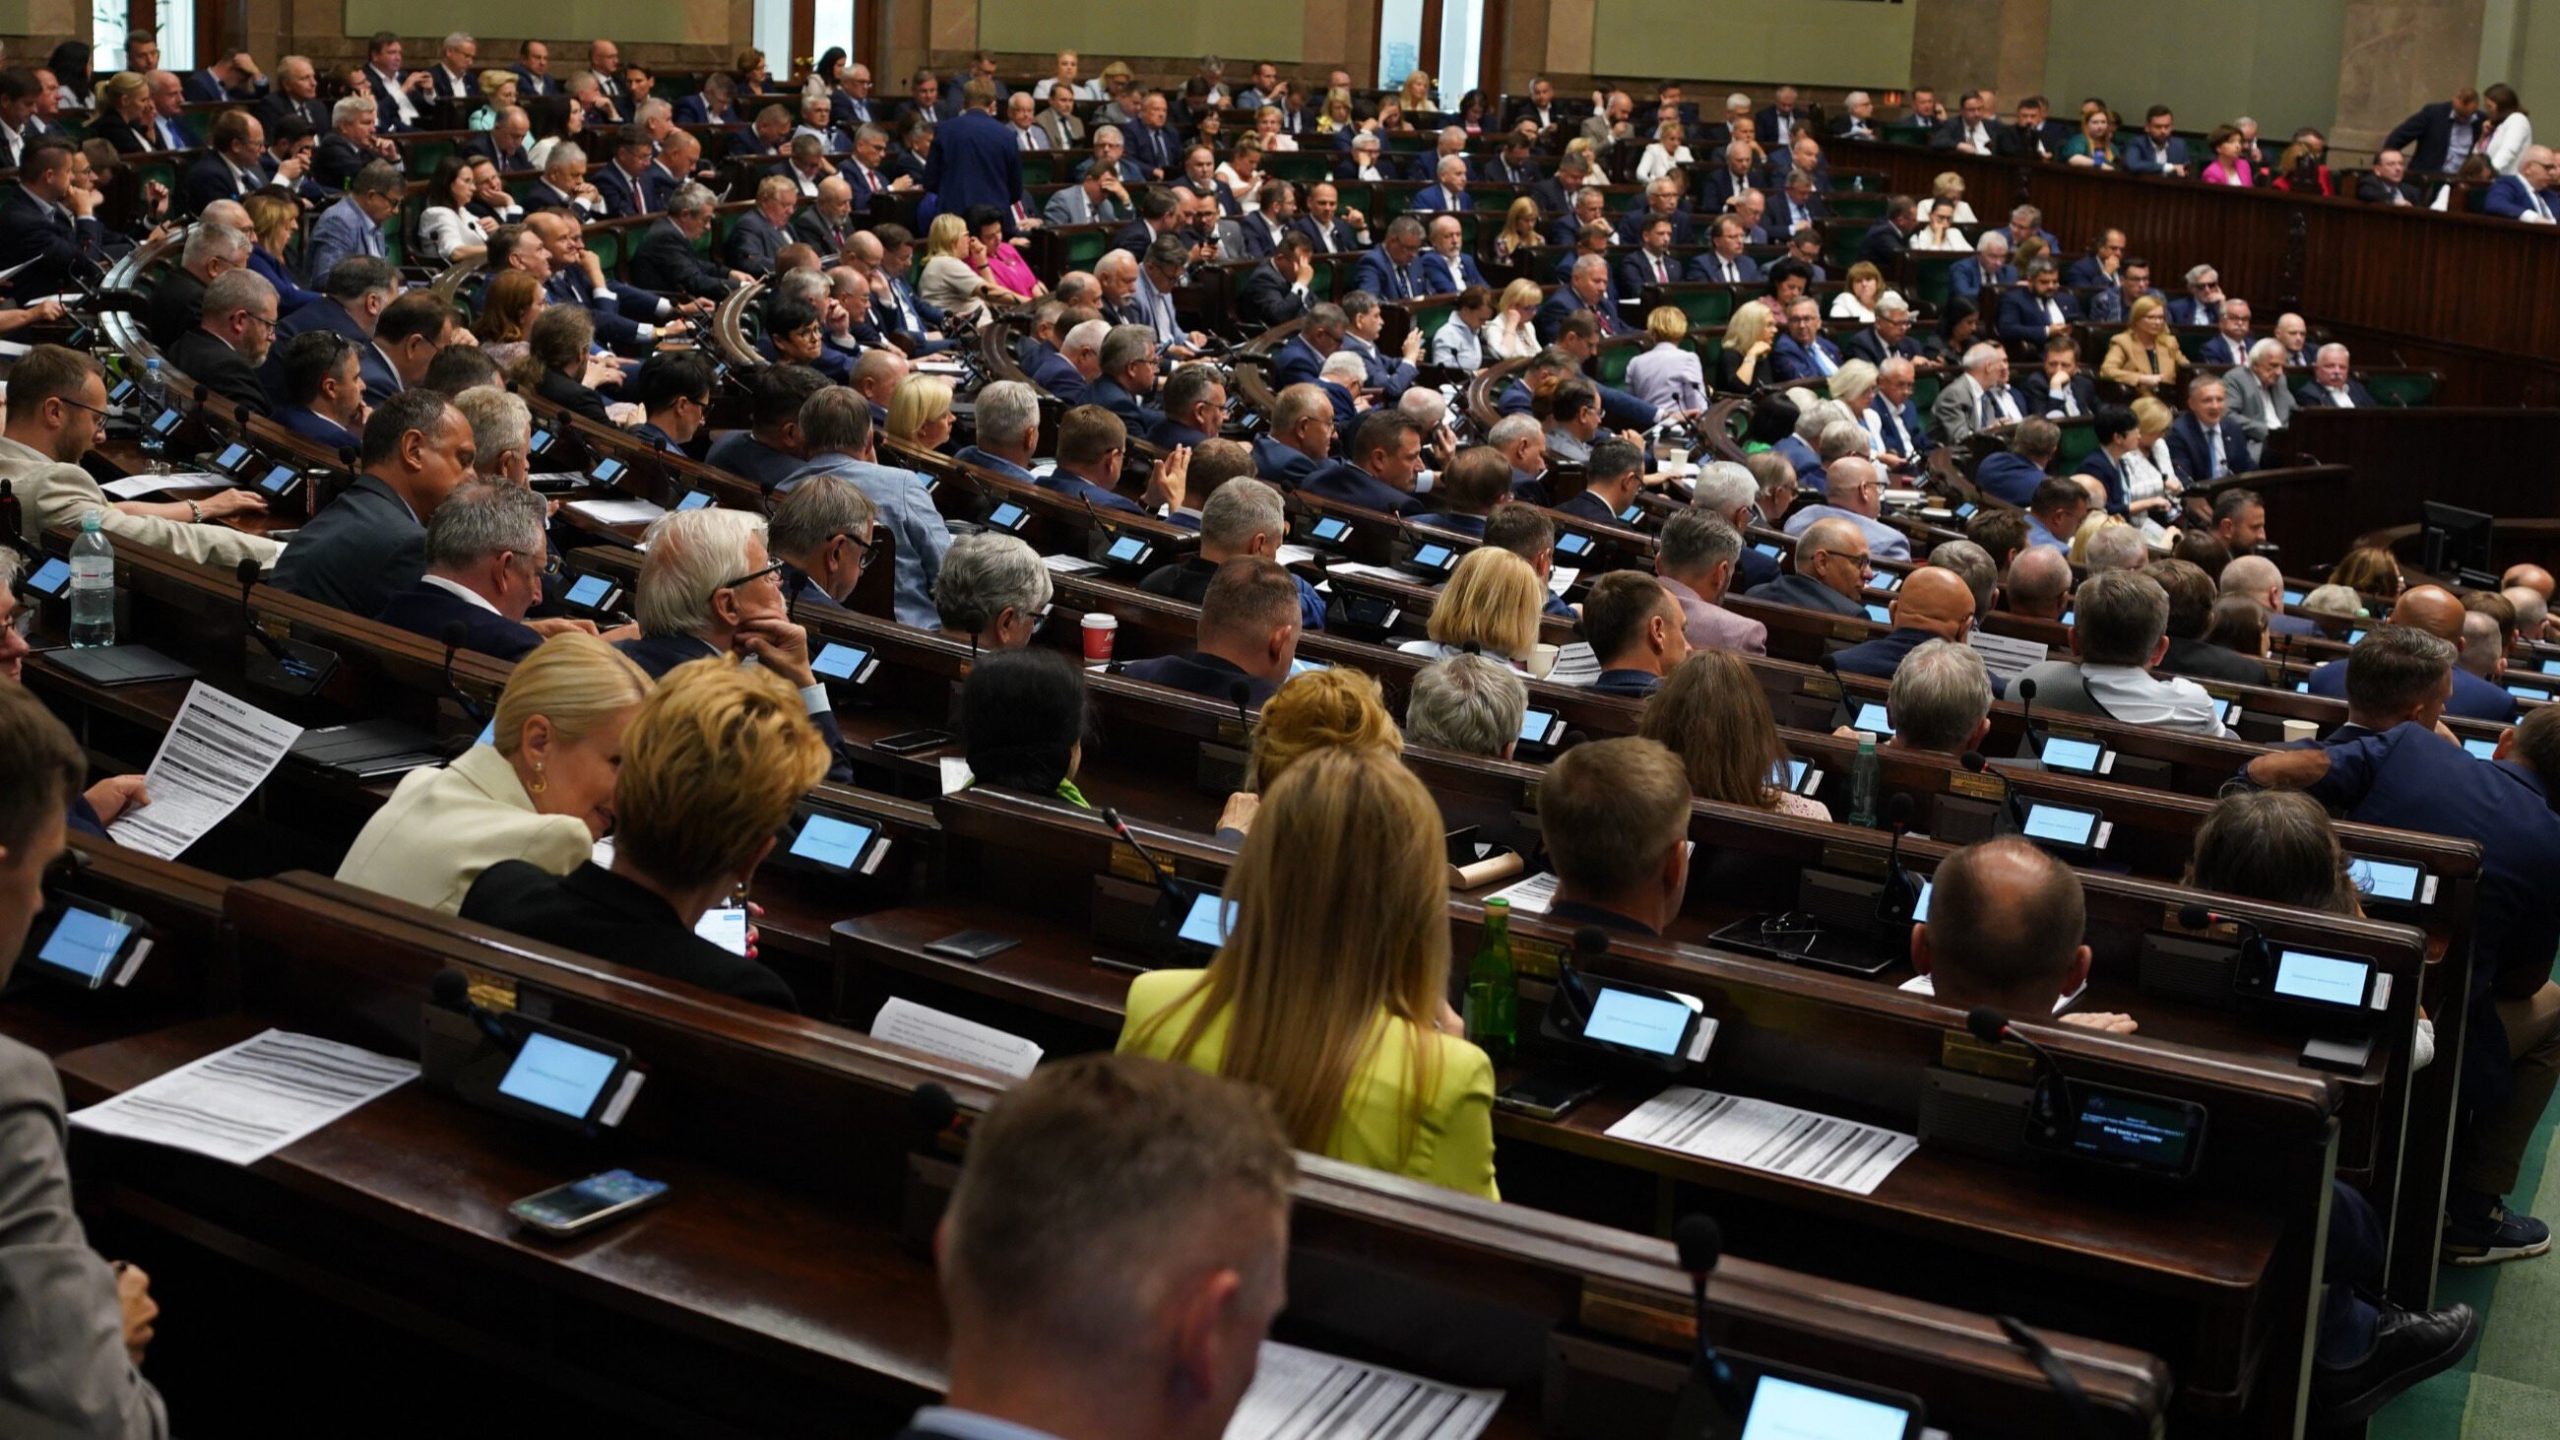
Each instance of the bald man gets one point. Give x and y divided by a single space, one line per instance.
1933 604
2533 611
2038 583
2531 577
2257 577
2435 610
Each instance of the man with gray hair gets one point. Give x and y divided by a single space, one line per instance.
1831 571
1973 565
1301 438
2532 610
993 591
2260 399
501 434
1981 398
2484 646
1853 490
2116 546
2120 628
822 533
353 226
2039 583
1242 517
1522 442
666 262
1940 700
224 352
1695 561
2332 383
177 302
835 424
1728 491
1469 704
486 559
1008 431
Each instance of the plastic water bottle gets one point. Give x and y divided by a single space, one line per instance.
155 398
93 586
1863 777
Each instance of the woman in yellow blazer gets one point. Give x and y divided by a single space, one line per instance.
2144 356
1332 989
542 791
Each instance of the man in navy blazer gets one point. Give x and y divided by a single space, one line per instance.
2527 194
2332 385
485 556
1987 268
1382 461
1893 417
2097 270
1652 262
1662 197
1734 176
1298 360
2428 138
1092 444
1586 290
1445 267
1249 625
2433 609
975 159
370 543
2205 443
1386 270
1804 351
1723 261
1301 437
628 185
2202 304
2035 312
2015 474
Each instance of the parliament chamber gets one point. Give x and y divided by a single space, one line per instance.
1099 744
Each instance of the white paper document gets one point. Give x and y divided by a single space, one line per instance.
1307 1395
1575 665
216 755
1070 564
1761 1135
246 1103
2006 656
1928 986
1293 556
620 511
902 1022
134 487
1372 572
1529 897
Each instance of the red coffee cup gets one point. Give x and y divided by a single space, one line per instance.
1101 632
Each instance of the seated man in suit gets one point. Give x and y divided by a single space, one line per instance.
2526 195
1637 632
2132 283
1386 271
1613 469
1128 378
2191 601
175 304
2229 344
770 449
504 141
627 183
1662 197
486 557
759 235
1652 262
1386 377
2433 610
1933 604
2155 150
1739 172
1804 351
1445 268
2202 304
1379 466
1698 561
1276 292
2098 269
48 224
1889 239
1093 447
1195 406
322 386
1888 336
2332 385
2388 182
1723 261
2258 397
1249 625
1903 443
1585 292
666 262
1853 490
296 93
2039 310
1987 269
2205 443
2058 389
1300 441
352 228
225 350
2119 631
2016 473
1450 191
1831 570
370 543
229 169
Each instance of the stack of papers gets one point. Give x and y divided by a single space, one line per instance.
216 755
624 510
966 1042
193 482
1761 1135
246 1103
1308 1395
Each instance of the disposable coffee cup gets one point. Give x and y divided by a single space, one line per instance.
2302 730
1101 632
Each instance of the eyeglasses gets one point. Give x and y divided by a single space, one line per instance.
868 546
771 568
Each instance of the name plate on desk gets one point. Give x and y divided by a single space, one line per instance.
1979 787
1958 1050
1821 687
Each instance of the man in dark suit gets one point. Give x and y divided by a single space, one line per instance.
1386 271
371 542
2388 182
296 91
1731 178
1301 438
2097 270
1969 130
1830 574
627 185
176 304
1330 228
229 170
666 261
975 159
1128 379
2439 136
504 141
1934 603
2433 609
2037 311
2527 194
533 71
1889 335
2332 385
1652 262
485 555
1662 197
397 96
1776 123
1249 626
451 77
1889 239
322 390
2025 139
1804 351
47 225
2205 443
2016 473
1555 193
1379 466
2057 388
1893 417
1586 291
225 350
1723 261
1988 269
759 235
1275 292
2202 304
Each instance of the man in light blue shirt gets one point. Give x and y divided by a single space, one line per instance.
1854 491
353 226
2055 512
835 424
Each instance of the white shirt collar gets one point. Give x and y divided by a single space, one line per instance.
970 1425
464 591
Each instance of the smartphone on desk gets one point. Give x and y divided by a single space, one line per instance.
584 1205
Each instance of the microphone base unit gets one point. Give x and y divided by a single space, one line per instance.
2197 972
1975 1114
300 670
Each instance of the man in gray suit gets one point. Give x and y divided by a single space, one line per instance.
1979 400
371 542
1099 198
77 1325
2260 399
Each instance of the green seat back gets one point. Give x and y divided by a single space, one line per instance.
2404 388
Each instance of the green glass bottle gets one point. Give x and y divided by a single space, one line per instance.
1493 991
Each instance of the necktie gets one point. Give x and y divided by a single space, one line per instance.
1985 422
1730 277
1659 277
2213 443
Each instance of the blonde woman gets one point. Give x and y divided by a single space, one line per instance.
920 412
1519 229
1712 714
541 792
712 765
1331 992
124 114
2150 475
497 92
1591 156
1747 338
2144 356
1667 376
1949 188
1668 152
1267 123
954 277
1319 710
1241 173
1337 113
1491 605
1512 333
1415 95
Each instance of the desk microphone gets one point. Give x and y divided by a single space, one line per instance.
1900 896
451 990
1990 1028
12 529
934 1110
453 633
1711 1400
2025 690
1241 693
2253 941
1155 867
247 573
1975 761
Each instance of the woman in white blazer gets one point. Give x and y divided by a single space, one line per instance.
540 791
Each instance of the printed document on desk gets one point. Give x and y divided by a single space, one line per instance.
216 755
1308 1395
1760 1135
903 1022
246 1103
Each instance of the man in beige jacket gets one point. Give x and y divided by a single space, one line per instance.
57 401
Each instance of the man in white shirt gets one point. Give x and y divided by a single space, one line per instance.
1020 113
1853 490
2120 628
2331 383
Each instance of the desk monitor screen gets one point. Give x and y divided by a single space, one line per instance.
2322 979
1629 515
84 943
1569 542
1432 556
1127 549
1879 614
2293 597
836 844
2078 756
694 500
1210 920
1871 719
1783 1409
607 470
2384 879
233 456
2481 749
1774 552
1539 727
2136 1130
167 422
2551 667
1328 529
1965 510
1920 907
537 442
840 662
280 480
1649 1023
1887 581
1788 774
555 1075
2528 692
1007 516
2060 824
588 590
51 577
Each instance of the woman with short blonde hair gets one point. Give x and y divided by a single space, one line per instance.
1331 990
1949 187
1713 715
920 411
1492 602
541 791
2149 472
1319 710
1519 228
1512 332
2144 356
1748 337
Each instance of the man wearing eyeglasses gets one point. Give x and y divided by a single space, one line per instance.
57 405
822 532
486 561
1853 491
675 389
226 348
1831 571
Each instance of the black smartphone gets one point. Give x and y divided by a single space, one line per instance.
1546 1097
970 945
913 742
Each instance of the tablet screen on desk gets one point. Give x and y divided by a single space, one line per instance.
1210 920
2061 826
839 662
1006 516
233 456
2384 879
1783 1409
1871 719
1640 1022
1920 907
50 577
2080 756
589 590
2321 979
1431 557
555 1075
1127 549
84 943
2481 749
836 844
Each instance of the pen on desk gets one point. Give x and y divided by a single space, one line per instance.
1124 966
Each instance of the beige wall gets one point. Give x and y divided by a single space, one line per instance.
2210 60
1164 38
